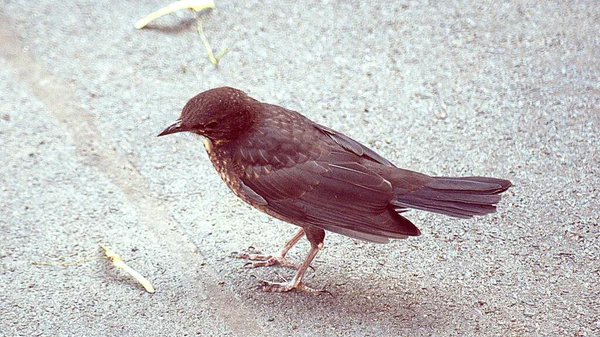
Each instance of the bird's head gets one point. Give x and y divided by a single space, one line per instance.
220 114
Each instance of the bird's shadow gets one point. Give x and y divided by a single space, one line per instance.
358 300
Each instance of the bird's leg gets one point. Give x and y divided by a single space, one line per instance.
315 236
296 282
274 259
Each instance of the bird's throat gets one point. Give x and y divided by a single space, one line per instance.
208 145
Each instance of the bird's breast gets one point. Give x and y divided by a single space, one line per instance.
224 166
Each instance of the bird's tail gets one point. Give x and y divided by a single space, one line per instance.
458 197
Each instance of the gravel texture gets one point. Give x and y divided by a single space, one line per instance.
509 89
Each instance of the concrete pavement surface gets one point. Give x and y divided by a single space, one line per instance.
508 89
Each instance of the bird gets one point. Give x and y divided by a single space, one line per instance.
318 179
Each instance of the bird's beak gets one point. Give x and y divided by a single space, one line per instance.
176 127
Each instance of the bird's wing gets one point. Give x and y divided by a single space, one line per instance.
327 187
353 146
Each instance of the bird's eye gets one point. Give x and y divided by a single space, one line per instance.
211 125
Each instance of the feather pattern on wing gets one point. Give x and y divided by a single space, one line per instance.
329 188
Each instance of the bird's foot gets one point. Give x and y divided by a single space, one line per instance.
262 260
282 287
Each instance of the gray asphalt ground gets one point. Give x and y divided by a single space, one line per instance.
508 89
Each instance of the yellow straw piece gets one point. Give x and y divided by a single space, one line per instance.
196 5
213 59
116 260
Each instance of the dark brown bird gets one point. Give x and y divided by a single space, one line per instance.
304 173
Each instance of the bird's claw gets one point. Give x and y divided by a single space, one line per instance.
266 260
282 287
